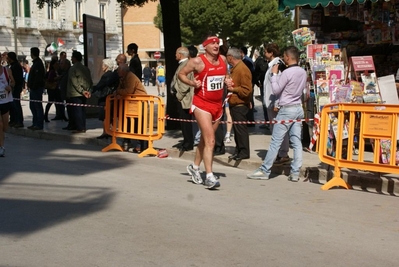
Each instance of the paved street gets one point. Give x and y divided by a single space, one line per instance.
65 204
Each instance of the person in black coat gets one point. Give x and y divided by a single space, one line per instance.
135 62
16 115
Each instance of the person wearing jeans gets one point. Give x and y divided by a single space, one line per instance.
289 86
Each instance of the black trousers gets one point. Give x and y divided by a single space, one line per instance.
16 114
241 134
186 128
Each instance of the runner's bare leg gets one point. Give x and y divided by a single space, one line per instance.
205 147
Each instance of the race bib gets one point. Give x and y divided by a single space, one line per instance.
215 83
2 96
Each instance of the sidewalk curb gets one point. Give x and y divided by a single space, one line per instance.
364 181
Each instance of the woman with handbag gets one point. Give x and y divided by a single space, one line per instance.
106 86
51 86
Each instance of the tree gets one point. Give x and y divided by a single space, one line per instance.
241 22
172 41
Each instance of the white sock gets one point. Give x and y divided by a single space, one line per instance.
195 167
209 175
227 134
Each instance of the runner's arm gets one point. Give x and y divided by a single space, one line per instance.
190 67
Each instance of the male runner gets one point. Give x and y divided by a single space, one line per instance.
210 71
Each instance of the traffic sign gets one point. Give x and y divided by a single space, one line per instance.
157 55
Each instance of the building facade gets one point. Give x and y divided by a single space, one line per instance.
23 25
139 28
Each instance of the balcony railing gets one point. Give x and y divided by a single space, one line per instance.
54 25
6 22
112 29
27 23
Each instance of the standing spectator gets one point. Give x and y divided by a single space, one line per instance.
184 94
261 66
239 102
192 51
6 84
63 55
270 100
16 114
65 64
135 62
210 70
250 64
161 79
78 90
147 75
289 85
26 69
36 88
153 76
51 86
60 91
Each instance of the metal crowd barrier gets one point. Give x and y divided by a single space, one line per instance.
134 117
353 125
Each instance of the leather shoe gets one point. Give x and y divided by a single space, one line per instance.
237 158
182 149
56 118
103 136
78 131
233 156
219 152
35 128
69 128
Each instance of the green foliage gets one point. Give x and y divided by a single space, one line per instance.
158 18
241 22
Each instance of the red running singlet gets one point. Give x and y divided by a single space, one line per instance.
209 96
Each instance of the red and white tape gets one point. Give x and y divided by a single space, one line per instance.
245 122
62 103
181 120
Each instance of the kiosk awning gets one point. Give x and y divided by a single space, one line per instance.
291 4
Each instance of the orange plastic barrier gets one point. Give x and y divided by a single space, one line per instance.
134 117
358 122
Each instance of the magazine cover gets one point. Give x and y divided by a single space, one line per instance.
371 91
322 100
322 86
302 37
340 93
357 92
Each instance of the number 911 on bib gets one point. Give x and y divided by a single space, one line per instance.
215 83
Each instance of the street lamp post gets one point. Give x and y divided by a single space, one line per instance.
15 26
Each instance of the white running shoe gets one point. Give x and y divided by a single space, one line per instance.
212 182
195 174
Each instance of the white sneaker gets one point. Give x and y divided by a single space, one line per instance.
227 139
212 182
2 151
195 174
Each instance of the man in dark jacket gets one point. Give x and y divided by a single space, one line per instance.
261 66
36 87
135 62
147 75
16 115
